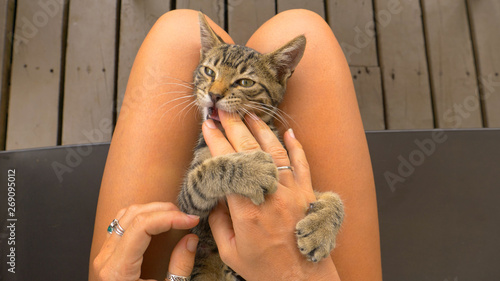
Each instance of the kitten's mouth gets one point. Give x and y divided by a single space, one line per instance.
213 113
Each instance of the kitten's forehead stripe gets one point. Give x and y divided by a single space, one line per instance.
250 56
217 59
232 59
243 69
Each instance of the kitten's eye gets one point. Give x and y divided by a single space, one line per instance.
245 83
209 72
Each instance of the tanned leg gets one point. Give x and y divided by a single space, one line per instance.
156 132
321 102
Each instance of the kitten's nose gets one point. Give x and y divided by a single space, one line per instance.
215 97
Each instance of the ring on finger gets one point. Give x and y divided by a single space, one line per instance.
285 168
119 229
116 227
173 277
112 226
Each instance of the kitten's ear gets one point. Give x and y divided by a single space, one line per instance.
209 38
285 59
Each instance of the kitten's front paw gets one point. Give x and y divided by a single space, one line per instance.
316 233
254 175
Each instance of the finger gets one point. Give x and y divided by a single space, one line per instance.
222 229
237 132
134 210
298 160
124 217
182 258
120 213
215 139
134 242
269 142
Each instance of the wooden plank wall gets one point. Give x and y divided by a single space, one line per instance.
89 84
368 86
137 18
6 40
316 6
212 8
244 17
415 64
353 24
403 63
33 119
451 61
485 21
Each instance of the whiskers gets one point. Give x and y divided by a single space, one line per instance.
179 82
272 111
181 100
184 104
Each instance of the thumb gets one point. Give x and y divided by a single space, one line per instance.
182 258
222 229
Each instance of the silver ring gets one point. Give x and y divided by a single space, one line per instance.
173 277
112 226
119 229
285 167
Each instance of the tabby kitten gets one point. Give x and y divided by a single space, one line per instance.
239 80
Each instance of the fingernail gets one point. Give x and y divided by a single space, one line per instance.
192 243
195 217
290 131
210 123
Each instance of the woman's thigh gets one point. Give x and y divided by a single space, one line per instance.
321 106
156 131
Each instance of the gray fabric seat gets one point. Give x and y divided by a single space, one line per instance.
437 192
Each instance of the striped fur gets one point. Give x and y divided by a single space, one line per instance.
240 80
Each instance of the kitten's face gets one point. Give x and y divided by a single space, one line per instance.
240 80
235 79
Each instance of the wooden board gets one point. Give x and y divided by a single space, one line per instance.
214 9
244 17
353 24
403 63
316 6
90 71
485 23
137 18
35 78
6 39
451 61
368 86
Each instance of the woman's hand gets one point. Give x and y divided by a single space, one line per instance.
121 257
259 242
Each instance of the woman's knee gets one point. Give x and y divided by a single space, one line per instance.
302 20
182 25
291 23
171 49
